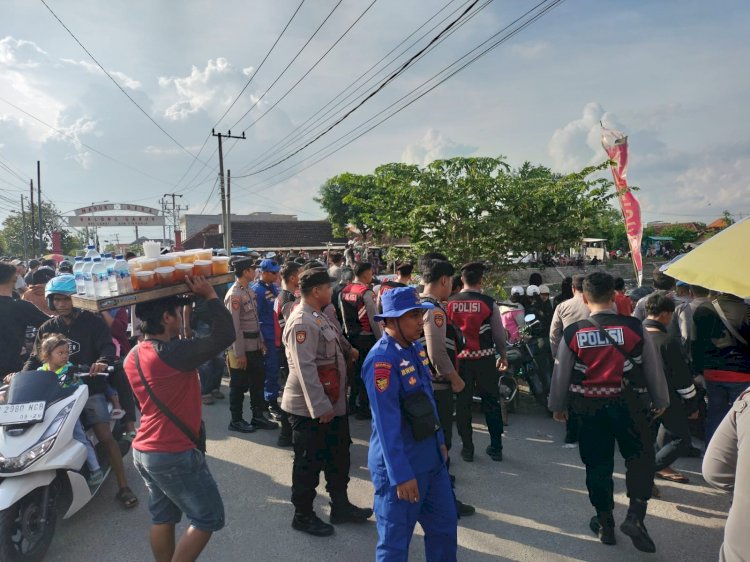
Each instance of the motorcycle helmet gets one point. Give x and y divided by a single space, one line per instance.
61 285
65 267
543 290
532 290
517 290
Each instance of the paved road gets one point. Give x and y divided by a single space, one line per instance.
531 507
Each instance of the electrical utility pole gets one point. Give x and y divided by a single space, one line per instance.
175 217
229 213
23 229
33 239
225 218
39 207
163 204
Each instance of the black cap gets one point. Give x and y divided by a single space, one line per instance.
241 264
314 277
475 266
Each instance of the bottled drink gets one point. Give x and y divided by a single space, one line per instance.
88 278
122 275
91 252
100 278
109 262
78 273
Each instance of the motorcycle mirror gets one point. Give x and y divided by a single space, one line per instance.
529 317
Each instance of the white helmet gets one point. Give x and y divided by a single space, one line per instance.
517 290
543 289
532 290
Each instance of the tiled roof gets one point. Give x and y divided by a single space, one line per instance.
268 234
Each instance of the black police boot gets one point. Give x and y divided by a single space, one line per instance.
242 426
312 525
603 526
494 453
467 453
346 512
634 528
262 422
464 509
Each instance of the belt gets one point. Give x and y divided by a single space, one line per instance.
250 335
595 391
466 354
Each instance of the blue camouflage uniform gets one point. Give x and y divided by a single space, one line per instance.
266 297
390 373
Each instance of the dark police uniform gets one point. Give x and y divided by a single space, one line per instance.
590 367
269 326
392 375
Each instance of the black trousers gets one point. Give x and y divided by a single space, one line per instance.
444 403
605 421
673 437
319 446
481 376
358 400
250 379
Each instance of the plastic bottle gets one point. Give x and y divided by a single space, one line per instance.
109 262
100 278
122 275
91 252
88 279
78 273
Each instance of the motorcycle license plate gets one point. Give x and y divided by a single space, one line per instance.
21 413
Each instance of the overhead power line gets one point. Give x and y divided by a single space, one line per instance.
494 41
116 83
242 91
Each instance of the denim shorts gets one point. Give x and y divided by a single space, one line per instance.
96 409
181 483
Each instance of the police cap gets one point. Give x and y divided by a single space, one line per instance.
314 277
241 264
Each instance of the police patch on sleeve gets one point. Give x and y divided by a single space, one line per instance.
300 336
439 319
382 375
235 303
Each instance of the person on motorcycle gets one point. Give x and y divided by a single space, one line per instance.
55 353
90 344
512 314
16 315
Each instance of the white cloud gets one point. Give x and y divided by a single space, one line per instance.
123 79
19 53
198 90
434 146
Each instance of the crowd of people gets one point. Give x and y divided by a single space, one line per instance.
313 342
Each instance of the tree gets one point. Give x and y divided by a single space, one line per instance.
680 234
12 232
470 208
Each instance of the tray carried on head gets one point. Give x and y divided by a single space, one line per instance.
105 303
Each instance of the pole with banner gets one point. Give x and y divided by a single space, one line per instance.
615 144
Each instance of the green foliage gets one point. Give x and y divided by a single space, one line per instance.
470 208
680 234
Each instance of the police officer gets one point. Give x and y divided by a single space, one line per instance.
266 293
245 357
407 448
285 302
315 399
478 318
358 310
610 365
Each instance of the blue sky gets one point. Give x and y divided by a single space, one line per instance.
670 74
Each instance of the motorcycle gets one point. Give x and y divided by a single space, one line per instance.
43 469
523 364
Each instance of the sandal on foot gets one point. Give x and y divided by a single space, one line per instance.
126 497
117 414
673 477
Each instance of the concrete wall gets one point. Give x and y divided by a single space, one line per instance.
192 224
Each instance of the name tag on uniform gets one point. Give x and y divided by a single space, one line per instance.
594 338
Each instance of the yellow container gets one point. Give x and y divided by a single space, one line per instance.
204 254
181 270
167 260
145 280
148 264
188 256
165 275
202 267
219 265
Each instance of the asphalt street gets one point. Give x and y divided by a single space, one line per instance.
532 506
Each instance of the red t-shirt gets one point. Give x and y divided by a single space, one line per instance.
179 390
624 304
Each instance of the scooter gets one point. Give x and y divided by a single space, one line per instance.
43 469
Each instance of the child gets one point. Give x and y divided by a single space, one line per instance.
55 354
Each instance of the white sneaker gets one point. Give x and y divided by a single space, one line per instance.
570 445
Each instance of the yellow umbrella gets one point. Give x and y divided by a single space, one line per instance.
721 263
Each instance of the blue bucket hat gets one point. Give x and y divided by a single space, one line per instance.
399 301
269 265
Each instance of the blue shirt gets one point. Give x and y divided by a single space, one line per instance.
266 296
391 372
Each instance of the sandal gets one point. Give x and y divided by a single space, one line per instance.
673 477
117 414
126 497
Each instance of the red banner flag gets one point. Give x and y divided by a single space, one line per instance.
615 144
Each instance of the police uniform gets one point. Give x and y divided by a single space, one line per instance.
240 301
395 376
478 318
316 385
266 294
358 310
607 390
285 303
